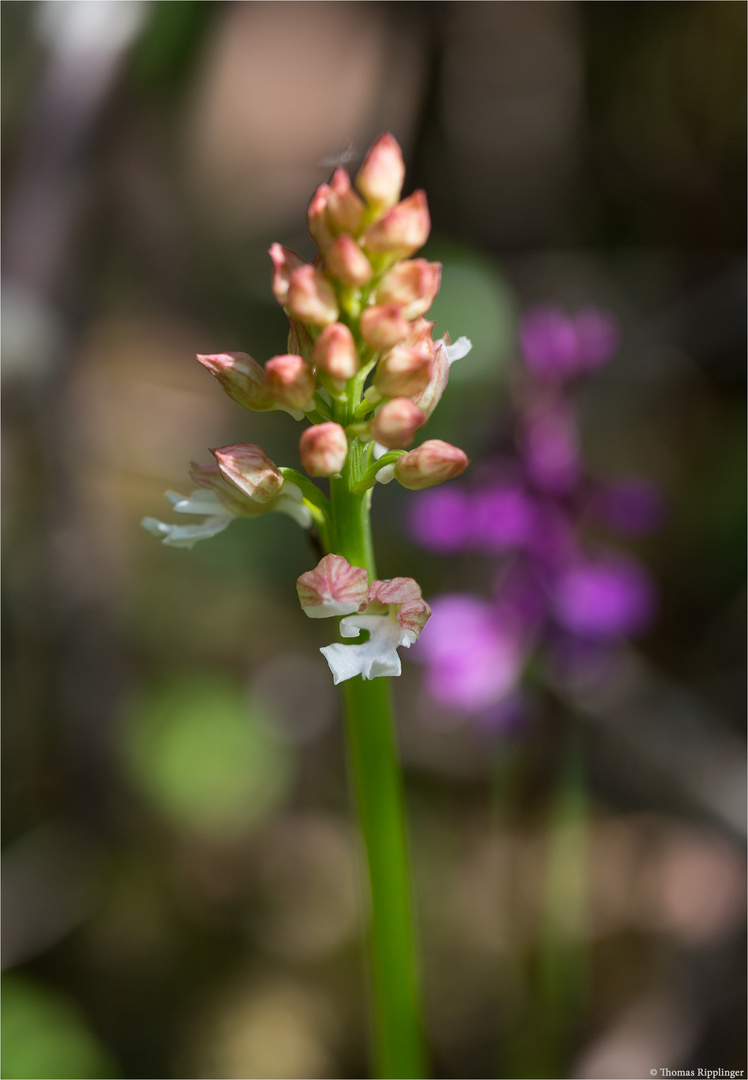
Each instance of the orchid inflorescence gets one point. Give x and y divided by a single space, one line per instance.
363 368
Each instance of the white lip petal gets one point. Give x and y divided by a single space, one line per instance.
373 658
457 351
199 502
185 536
386 474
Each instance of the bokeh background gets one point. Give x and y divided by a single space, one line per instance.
182 890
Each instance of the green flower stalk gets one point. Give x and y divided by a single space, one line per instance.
363 369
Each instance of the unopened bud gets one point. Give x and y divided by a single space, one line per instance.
383 326
347 262
241 377
403 229
395 423
290 381
402 372
345 210
411 284
285 262
210 478
323 449
335 352
316 216
380 178
431 463
334 587
248 467
311 298
429 397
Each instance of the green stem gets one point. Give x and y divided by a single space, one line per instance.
378 786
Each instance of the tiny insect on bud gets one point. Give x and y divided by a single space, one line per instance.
402 372
395 423
241 377
311 297
290 380
323 449
335 352
429 464
403 229
346 261
411 284
383 326
380 178
248 467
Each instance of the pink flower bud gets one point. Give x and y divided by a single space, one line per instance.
403 229
380 178
402 372
311 298
323 449
248 467
345 210
334 587
290 380
411 284
285 262
431 463
396 422
429 398
335 352
316 216
419 335
242 378
347 262
383 327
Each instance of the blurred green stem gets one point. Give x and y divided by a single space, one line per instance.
379 795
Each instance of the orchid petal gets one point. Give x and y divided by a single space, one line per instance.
185 536
373 658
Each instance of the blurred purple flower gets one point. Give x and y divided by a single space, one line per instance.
503 517
550 445
440 519
607 598
474 658
629 506
557 346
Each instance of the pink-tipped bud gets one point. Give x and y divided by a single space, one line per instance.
285 262
347 262
241 377
323 449
380 178
335 352
383 327
431 463
430 397
411 284
403 229
248 467
402 372
290 381
311 298
334 587
345 211
411 609
396 422
419 335
316 216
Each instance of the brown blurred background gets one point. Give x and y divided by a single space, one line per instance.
181 878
